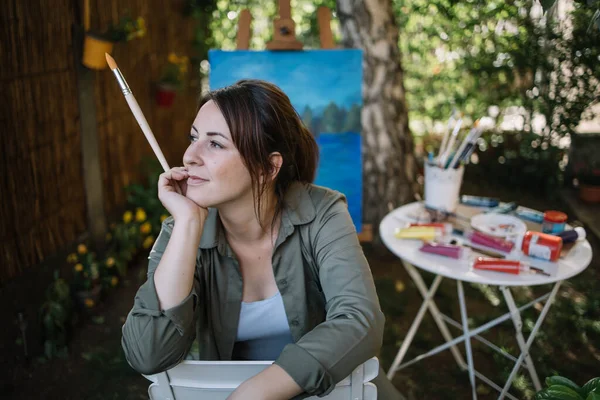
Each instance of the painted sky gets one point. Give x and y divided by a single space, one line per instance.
311 77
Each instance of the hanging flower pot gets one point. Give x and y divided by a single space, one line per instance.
165 95
94 48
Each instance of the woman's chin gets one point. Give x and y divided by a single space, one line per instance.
199 202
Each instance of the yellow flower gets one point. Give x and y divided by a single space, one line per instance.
173 58
89 303
148 242
162 218
141 23
79 267
81 249
140 215
110 262
72 258
114 281
127 216
400 286
145 228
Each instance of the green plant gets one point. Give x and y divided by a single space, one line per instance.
561 388
520 160
175 72
125 30
86 272
55 316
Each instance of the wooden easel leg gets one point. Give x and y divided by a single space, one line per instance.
325 35
243 33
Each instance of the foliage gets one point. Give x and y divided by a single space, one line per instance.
224 22
55 316
135 232
125 30
558 387
474 55
86 272
520 160
175 72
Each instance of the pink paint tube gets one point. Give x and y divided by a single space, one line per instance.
490 241
486 240
446 250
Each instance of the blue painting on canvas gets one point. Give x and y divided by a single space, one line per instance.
324 87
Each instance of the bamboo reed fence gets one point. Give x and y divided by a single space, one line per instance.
42 195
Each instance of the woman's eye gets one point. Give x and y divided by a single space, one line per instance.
215 144
193 138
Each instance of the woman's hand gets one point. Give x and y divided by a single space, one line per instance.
273 383
172 189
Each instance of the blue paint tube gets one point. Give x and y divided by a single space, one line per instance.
479 201
530 214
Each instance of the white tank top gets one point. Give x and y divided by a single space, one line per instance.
263 330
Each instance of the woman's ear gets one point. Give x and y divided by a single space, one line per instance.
276 162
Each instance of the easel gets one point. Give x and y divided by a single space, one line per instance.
284 38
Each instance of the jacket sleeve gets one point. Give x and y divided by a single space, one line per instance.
155 340
353 330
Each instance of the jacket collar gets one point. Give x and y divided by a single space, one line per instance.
298 209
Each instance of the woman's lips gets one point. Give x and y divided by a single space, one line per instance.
194 181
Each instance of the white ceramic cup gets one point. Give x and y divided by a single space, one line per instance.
442 187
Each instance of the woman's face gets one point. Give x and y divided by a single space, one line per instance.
217 173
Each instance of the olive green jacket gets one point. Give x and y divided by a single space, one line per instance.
323 277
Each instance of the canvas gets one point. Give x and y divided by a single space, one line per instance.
324 87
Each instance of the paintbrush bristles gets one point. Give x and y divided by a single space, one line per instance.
111 61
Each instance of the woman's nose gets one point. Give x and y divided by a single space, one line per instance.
192 156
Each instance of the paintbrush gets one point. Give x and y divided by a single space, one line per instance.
448 150
137 112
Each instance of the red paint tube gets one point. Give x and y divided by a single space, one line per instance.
507 266
446 250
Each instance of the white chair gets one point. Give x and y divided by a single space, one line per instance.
215 380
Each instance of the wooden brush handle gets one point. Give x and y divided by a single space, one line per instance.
139 116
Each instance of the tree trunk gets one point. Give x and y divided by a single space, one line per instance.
389 167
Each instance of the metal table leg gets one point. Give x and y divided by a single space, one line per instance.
525 351
516 317
435 313
463 314
413 328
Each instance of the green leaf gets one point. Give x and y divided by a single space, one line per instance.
593 385
99 320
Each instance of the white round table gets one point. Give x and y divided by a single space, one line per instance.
570 264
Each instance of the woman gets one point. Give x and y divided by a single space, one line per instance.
255 262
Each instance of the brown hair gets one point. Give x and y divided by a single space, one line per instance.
262 120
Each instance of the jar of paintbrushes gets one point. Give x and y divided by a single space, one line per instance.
444 173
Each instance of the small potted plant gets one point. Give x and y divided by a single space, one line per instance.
96 44
86 277
171 80
587 173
